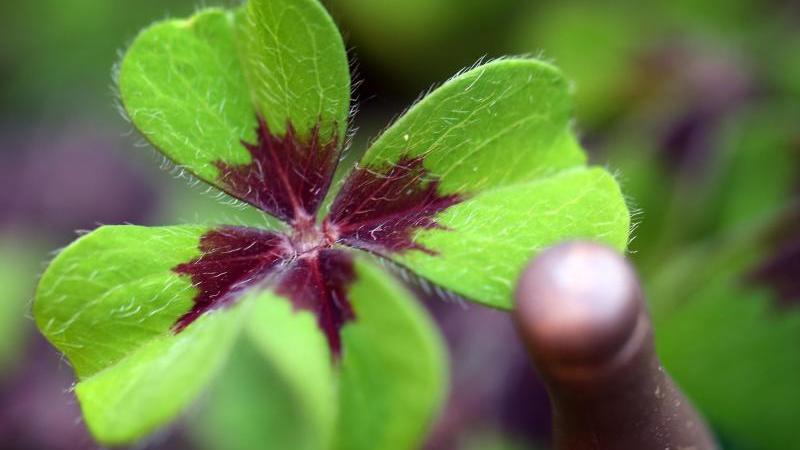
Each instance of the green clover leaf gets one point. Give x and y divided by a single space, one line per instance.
462 190
497 138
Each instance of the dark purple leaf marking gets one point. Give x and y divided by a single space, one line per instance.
232 259
318 283
780 271
378 210
782 274
235 259
288 177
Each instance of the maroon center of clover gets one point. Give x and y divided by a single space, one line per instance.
377 209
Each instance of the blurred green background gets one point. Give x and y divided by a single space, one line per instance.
695 104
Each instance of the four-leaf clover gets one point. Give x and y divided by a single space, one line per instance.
466 186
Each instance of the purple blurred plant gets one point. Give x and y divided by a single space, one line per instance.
58 179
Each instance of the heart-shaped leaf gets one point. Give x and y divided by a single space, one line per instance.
110 302
183 86
254 102
476 178
152 385
393 370
505 122
296 63
113 290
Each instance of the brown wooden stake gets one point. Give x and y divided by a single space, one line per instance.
581 314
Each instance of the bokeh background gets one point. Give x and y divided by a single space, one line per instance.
695 104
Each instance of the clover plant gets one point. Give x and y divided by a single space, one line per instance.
459 192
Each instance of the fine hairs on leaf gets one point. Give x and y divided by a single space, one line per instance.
255 101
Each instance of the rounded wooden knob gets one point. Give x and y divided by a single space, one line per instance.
580 312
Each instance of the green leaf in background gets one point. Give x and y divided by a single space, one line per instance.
595 45
495 441
254 405
408 43
279 390
728 343
17 263
764 140
291 343
390 383
648 184
59 62
498 136
787 69
394 336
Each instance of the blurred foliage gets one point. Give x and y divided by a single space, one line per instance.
410 43
16 289
225 421
593 43
764 140
57 58
728 341
491 441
